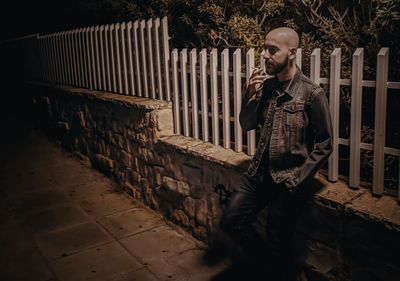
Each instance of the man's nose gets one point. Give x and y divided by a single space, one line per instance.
266 54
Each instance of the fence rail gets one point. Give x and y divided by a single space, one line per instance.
134 58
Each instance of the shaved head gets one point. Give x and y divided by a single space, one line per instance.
285 35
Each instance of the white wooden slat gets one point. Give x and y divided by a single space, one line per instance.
89 57
237 101
78 57
380 121
149 27
84 59
41 62
193 90
175 89
226 118
82 56
204 94
251 135
54 58
214 96
58 57
48 58
75 58
315 68
107 43
157 48
124 59
137 61
51 59
45 59
184 91
112 59
57 64
103 79
97 56
334 104
93 58
117 52
130 58
166 58
299 57
355 121
143 47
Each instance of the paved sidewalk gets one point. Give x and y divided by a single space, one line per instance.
62 220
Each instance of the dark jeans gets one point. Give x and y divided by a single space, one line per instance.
283 208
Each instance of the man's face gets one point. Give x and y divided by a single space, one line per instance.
276 55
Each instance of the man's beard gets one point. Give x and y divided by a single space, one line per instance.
277 68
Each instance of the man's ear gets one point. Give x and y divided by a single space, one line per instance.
292 53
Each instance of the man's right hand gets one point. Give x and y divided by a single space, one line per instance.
256 81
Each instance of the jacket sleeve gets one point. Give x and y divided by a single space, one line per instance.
251 111
321 128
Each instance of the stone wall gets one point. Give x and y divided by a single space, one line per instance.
344 234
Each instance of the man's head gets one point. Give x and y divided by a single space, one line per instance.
280 49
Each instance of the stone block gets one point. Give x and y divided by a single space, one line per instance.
104 163
189 206
201 212
165 122
180 217
125 159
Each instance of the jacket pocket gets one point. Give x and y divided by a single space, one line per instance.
294 117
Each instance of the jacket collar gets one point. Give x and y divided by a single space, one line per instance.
292 86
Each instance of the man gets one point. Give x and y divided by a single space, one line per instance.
295 142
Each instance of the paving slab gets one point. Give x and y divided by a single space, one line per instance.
160 242
168 271
64 242
106 204
100 263
57 217
90 189
130 222
142 274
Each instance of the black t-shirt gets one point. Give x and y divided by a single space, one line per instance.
281 87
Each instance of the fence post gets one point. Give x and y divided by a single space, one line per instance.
315 68
184 90
84 62
380 121
137 61
130 57
124 66
156 28
79 57
251 135
175 85
194 97
165 42
237 94
226 122
93 57
107 58
118 56
214 96
355 125
88 60
203 94
334 104
58 57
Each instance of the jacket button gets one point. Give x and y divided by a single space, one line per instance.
256 162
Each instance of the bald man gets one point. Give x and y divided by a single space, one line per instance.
295 141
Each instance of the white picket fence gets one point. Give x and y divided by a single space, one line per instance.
134 58
127 58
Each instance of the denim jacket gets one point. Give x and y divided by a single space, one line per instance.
296 125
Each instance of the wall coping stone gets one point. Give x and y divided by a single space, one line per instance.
383 209
124 100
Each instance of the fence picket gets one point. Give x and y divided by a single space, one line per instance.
112 56
149 26
237 94
103 84
214 96
315 68
130 57
165 44
156 28
144 62
175 85
89 64
184 91
79 57
226 122
251 135
193 90
124 64
107 57
334 104
93 57
299 57
380 121
204 95
118 58
137 61
355 122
